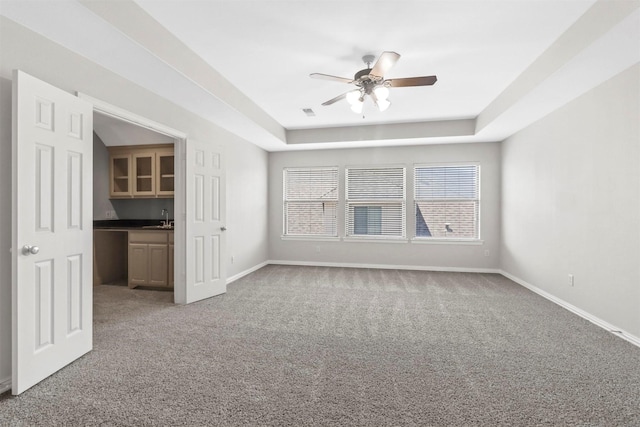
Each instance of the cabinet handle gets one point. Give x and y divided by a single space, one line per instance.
223 228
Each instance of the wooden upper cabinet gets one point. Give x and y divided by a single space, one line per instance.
144 165
165 173
141 171
120 175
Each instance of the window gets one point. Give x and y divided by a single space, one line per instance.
310 201
367 220
375 202
447 201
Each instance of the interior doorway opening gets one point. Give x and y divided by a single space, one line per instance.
138 237
133 200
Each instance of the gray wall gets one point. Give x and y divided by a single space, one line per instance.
571 202
246 164
427 255
101 202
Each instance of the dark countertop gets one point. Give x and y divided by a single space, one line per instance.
128 224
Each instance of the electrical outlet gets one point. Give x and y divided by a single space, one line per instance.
318 249
571 282
232 259
487 252
108 214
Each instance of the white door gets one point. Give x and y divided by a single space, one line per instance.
205 226
52 230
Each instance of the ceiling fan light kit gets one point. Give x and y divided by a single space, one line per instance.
383 104
370 81
354 96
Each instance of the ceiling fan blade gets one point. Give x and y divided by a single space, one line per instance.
329 77
413 81
336 99
384 64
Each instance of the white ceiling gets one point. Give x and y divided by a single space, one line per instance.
245 64
267 49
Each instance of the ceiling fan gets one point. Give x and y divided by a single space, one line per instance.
371 81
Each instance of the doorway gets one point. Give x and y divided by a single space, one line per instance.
116 127
56 128
133 205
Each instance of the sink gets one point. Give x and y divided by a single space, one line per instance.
158 227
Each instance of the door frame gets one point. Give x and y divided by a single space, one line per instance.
180 138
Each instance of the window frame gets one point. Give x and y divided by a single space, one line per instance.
381 202
285 201
477 238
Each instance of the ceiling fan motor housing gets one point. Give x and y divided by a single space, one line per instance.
366 81
362 75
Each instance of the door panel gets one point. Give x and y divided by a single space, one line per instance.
205 201
138 264
74 295
52 230
158 264
44 304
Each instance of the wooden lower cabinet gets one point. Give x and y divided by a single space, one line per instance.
138 264
150 259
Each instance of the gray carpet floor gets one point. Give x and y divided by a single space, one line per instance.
298 346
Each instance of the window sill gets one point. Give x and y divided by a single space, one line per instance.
312 238
369 239
436 241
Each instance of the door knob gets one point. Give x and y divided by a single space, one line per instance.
26 250
223 228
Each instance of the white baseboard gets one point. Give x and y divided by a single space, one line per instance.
5 385
578 311
386 266
245 272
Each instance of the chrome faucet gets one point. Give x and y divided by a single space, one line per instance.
165 223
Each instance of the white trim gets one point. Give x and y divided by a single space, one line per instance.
385 266
441 241
102 107
110 110
371 238
310 238
575 310
447 164
5 385
246 272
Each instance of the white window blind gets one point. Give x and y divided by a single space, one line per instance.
447 201
375 202
310 201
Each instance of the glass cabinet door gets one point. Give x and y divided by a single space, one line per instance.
141 171
165 173
120 175
144 167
